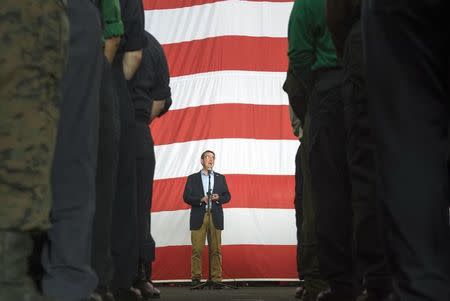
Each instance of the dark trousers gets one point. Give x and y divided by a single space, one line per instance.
145 170
67 257
370 256
124 244
407 48
108 154
308 260
330 181
298 207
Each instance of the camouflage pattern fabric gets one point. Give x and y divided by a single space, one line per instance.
34 39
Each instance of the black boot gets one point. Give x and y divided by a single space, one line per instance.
143 283
102 293
127 294
334 295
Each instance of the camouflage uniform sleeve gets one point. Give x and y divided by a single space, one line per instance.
34 38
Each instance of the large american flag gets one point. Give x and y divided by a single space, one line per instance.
227 62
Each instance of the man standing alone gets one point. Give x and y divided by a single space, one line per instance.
206 191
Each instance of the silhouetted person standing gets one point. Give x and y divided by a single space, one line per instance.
150 93
67 261
303 50
108 152
124 244
407 47
369 260
35 36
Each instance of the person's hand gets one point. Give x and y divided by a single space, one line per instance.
157 107
215 197
131 62
204 200
111 46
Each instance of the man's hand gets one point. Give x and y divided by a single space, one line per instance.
157 107
111 46
131 62
215 197
204 199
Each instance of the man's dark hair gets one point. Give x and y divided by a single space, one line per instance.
207 151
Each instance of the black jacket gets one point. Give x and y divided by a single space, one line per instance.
193 192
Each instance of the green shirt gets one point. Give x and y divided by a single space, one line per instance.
310 44
111 18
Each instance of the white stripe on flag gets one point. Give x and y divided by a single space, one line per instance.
244 87
245 18
242 226
233 156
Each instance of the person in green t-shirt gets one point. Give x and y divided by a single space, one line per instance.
314 64
108 148
309 49
343 19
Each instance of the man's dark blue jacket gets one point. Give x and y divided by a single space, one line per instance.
193 192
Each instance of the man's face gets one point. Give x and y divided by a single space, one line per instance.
208 161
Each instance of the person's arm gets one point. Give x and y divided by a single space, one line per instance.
157 108
111 46
131 62
295 123
301 53
189 197
133 19
112 26
161 90
225 196
301 50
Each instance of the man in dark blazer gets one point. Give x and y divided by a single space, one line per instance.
206 191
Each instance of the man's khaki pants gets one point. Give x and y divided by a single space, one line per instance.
207 230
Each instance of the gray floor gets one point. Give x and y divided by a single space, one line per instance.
264 293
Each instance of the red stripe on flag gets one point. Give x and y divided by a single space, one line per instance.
227 53
247 191
229 121
168 4
238 261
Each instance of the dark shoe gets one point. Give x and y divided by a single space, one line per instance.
195 282
104 293
377 296
332 295
147 289
313 286
156 292
299 292
95 297
308 296
127 294
217 286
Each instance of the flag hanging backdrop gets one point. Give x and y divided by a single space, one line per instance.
227 62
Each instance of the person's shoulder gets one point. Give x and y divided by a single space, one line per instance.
152 44
217 174
195 174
